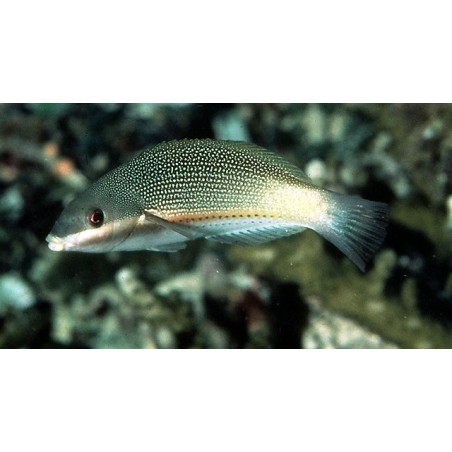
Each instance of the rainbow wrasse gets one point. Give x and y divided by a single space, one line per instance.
231 192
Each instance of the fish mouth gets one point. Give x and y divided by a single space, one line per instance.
57 243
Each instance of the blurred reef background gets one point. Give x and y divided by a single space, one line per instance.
294 292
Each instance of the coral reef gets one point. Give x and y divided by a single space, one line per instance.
290 293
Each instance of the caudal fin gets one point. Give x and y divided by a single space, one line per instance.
356 226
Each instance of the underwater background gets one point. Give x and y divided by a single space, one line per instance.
293 292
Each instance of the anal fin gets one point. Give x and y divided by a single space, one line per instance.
258 235
169 247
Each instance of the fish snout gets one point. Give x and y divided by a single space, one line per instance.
56 243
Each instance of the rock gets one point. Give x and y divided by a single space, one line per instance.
15 292
327 329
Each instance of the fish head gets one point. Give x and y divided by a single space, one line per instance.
96 221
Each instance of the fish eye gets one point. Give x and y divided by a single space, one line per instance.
96 218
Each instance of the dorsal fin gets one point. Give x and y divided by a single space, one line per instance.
274 159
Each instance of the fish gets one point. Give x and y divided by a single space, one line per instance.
227 191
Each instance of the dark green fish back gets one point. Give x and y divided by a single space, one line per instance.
195 176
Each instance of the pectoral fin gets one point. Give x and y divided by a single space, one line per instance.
185 230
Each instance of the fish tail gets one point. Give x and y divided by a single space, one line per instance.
356 226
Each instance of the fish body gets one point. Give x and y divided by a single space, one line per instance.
232 192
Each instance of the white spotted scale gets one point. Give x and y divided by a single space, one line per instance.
228 191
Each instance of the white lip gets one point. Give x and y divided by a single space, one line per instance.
56 243
97 240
